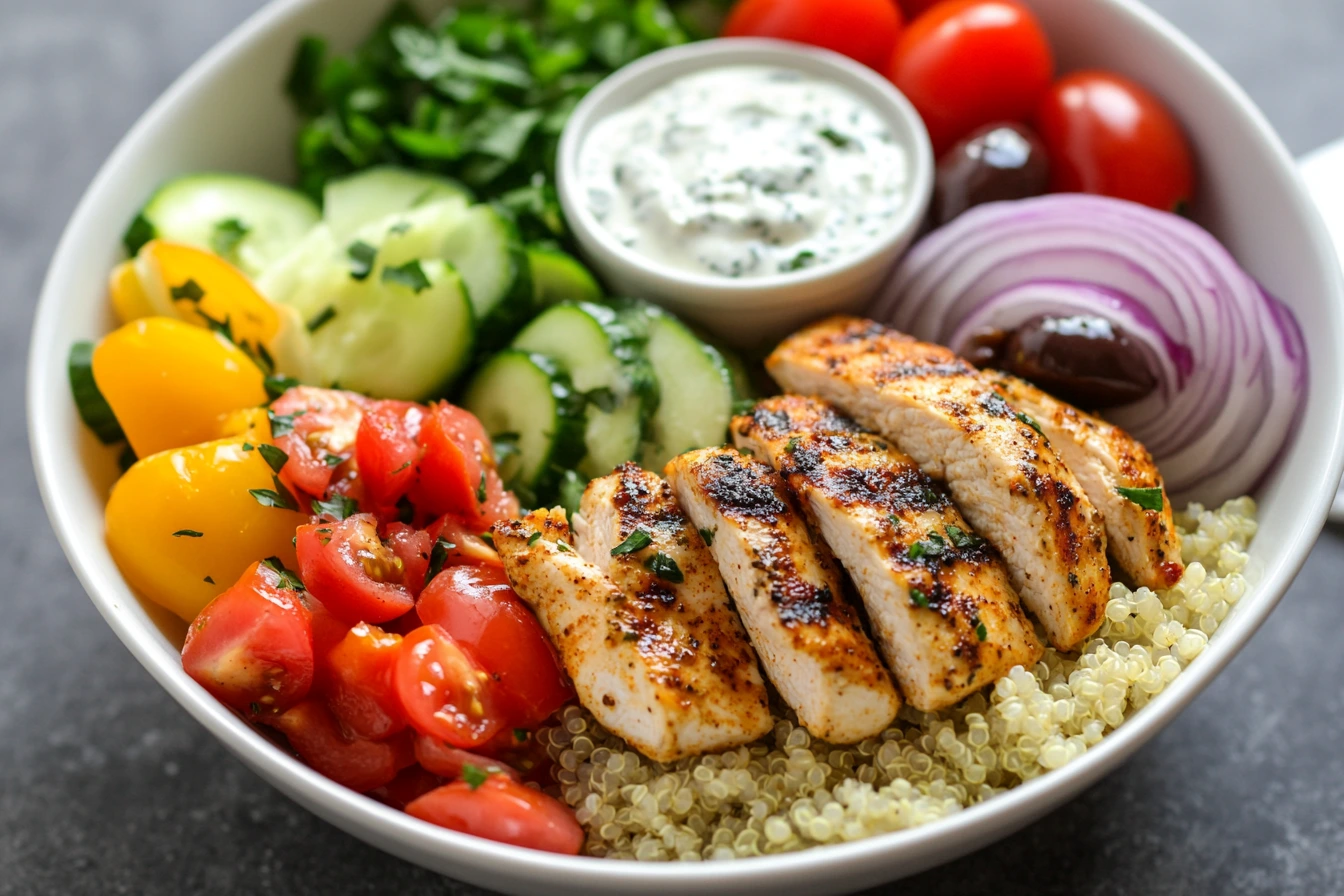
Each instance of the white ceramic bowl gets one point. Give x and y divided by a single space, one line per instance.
227 112
749 311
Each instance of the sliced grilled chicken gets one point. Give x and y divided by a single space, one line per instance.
633 662
1103 457
788 592
631 528
1001 471
937 595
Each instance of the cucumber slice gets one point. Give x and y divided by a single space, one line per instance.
249 221
350 202
560 277
525 401
487 250
89 401
602 357
699 386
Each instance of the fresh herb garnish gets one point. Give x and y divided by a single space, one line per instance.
410 275
960 538
664 567
288 579
895 520
474 775
275 458
321 319
208 580
707 535
405 466
562 547
278 384
282 424
637 540
480 490
338 507
1147 498
802 260
520 735
1029 421
227 235
191 291
438 556
980 631
140 231
533 538
928 547
791 446
630 636
918 598
278 497
187 533
835 138
248 446
362 257
333 460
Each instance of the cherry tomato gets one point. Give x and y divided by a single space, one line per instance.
386 451
456 474
361 765
316 428
442 759
468 545
349 569
915 8
967 63
413 548
328 631
1107 135
358 682
504 810
478 608
409 784
864 30
252 647
445 692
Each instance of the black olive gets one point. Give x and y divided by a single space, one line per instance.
997 162
1087 361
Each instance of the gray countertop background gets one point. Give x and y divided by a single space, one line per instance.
106 786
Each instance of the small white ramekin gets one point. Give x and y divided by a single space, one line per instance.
752 310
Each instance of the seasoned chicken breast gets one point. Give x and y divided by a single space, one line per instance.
1103 457
937 594
631 528
1001 471
635 664
789 594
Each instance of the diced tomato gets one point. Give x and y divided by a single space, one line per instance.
500 503
864 30
252 647
358 682
452 472
478 608
445 691
413 548
404 625
316 428
409 784
328 631
361 765
386 450
442 759
468 545
504 810
349 569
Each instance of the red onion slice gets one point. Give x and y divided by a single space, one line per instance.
1229 357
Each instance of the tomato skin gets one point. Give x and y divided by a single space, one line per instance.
967 63
913 9
448 761
468 545
409 784
386 450
325 423
479 609
361 765
413 548
1105 134
863 30
252 647
348 568
328 631
504 810
456 464
358 682
445 692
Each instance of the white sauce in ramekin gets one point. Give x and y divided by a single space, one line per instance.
744 172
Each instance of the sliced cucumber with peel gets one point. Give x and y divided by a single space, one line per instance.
559 277
486 249
251 222
355 200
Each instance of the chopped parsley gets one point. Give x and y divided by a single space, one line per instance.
665 568
405 511
707 535
631 636
520 735
438 556
321 319
191 291
895 520
1029 421
140 231
405 466
980 631
791 446
188 533
208 580
835 138
337 507
282 424
562 547
533 538
288 579
480 490
487 537
278 384
474 775
227 235
918 598
278 497
275 457
929 547
637 540
361 256
960 538
333 460
410 275
802 260
1147 498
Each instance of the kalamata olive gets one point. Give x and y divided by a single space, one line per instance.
999 161
1087 361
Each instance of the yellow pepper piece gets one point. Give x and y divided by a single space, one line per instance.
169 382
183 526
128 297
192 283
255 423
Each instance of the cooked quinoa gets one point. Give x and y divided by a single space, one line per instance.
790 791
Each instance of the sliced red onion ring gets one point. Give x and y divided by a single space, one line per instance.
1229 357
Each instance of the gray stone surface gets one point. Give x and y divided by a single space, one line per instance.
106 786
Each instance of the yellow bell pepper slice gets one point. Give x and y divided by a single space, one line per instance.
183 525
255 423
193 284
129 300
169 382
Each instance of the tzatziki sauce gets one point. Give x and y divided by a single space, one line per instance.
745 172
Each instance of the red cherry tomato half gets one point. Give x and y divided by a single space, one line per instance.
413 548
504 810
386 450
468 545
252 647
409 784
349 569
358 682
328 631
316 428
445 692
452 467
967 63
478 608
441 759
1105 134
361 765
915 8
864 30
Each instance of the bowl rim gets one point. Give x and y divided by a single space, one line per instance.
496 864
651 72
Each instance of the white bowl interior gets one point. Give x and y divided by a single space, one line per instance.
228 112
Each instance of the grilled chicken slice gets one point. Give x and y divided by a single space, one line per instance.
788 592
1103 457
1002 472
722 700
938 595
636 665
